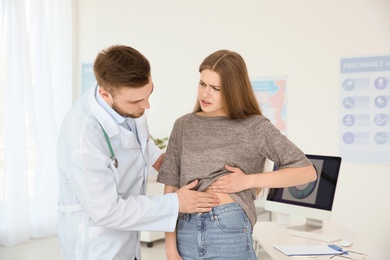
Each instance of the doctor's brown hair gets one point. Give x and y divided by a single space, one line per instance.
121 66
238 98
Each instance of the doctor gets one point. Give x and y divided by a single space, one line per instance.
104 154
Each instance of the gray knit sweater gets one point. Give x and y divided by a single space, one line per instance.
199 148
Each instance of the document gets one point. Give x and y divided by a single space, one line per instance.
306 250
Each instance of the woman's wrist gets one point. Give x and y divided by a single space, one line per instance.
251 182
254 181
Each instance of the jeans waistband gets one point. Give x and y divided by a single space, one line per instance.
233 206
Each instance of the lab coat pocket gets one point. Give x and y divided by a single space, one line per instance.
105 243
129 140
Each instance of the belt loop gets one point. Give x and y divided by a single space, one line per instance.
212 214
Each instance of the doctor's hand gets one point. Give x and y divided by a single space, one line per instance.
191 201
233 182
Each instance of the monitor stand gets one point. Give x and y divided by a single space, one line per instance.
310 225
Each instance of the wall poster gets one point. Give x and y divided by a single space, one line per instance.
87 77
365 109
271 93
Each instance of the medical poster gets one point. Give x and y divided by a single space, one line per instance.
87 77
270 93
365 109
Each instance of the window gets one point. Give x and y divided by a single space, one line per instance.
32 91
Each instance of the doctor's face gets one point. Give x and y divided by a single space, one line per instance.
129 102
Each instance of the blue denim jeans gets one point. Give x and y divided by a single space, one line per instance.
223 233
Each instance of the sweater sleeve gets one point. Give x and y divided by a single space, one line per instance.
169 173
277 147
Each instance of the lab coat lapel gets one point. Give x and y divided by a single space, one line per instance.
106 121
143 132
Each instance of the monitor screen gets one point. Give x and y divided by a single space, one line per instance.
313 200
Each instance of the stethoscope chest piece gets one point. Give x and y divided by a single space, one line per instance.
114 161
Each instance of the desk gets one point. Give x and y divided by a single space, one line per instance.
267 234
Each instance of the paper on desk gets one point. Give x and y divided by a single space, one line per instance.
307 250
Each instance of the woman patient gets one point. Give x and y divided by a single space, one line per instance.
224 144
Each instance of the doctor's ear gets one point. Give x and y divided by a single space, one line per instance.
105 95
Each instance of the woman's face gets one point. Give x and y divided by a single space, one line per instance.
209 94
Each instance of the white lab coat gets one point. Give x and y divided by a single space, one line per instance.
103 208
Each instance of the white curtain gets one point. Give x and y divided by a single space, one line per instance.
37 89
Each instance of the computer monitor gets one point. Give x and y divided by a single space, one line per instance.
314 200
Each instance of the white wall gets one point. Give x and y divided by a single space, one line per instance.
302 39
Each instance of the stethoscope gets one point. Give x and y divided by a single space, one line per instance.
112 157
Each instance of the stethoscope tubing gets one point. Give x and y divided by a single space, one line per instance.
112 157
